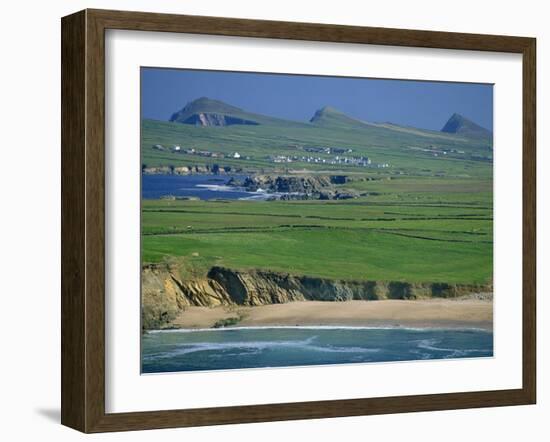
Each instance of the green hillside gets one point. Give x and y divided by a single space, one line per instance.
404 150
190 114
330 117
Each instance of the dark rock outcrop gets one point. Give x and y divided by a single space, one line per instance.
296 187
287 184
339 179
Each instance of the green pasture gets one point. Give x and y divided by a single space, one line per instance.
414 239
401 149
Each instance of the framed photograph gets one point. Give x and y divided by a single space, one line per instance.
266 221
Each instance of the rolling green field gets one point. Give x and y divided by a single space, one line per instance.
427 235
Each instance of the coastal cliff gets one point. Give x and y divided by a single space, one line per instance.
165 293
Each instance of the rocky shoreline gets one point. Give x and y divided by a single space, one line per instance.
297 187
281 187
188 170
165 294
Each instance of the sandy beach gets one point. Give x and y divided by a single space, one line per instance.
460 313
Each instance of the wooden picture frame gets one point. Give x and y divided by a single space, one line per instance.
83 220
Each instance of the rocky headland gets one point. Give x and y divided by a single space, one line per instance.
296 187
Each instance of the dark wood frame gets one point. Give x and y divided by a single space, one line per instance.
83 217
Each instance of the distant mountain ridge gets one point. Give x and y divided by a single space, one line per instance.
461 125
329 116
207 112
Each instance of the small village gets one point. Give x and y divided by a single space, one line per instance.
347 160
200 153
343 160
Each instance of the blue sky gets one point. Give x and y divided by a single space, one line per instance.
423 104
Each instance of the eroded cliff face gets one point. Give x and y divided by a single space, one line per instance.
212 119
165 293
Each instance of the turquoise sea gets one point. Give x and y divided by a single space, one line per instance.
255 347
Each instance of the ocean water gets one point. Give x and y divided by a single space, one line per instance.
236 348
201 186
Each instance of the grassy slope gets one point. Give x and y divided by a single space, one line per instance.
207 105
397 236
401 149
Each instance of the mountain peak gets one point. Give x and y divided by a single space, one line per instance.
205 101
330 116
205 105
206 111
329 109
459 124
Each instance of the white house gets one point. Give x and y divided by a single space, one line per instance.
236 155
